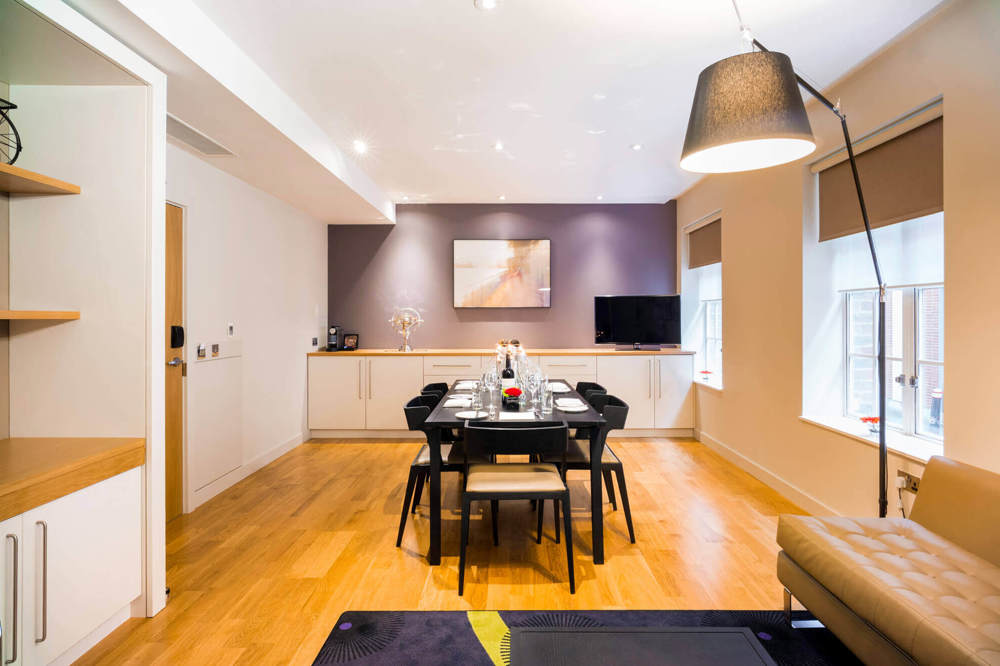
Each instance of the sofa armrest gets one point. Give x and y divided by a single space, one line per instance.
962 504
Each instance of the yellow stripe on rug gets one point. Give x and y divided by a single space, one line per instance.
490 630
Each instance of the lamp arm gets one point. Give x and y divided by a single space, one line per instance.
882 449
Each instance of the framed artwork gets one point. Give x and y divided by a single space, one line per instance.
351 342
502 274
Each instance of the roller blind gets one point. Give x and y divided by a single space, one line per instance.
705 245
902 179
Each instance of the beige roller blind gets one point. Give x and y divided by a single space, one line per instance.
902 179
705 245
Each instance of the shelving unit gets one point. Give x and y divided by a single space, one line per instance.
15 180
38 315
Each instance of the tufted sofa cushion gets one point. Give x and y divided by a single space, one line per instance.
936 601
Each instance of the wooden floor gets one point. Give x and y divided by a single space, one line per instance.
260 573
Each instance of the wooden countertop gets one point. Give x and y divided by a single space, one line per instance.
37 470
585 351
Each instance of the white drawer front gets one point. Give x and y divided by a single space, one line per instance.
561 366
461 366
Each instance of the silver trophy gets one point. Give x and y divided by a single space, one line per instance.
403 321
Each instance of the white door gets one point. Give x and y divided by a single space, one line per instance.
674 391
337 392
11 592
392 381
82 563
631 379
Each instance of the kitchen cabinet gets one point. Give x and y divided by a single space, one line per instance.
11 592
337 392
631 379
391 382
674 402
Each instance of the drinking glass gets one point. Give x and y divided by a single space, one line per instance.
477 399
547 399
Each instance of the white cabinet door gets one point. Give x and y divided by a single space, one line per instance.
11 592
674 391
337 392
392 381
465 367
631 379
82 563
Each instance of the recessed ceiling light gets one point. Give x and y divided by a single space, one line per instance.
599 97
637 146
406 198
485 4
360 147
502 197
600 197
498 146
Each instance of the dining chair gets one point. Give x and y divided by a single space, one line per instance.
515 480
452 457
438 390
586 391
615 411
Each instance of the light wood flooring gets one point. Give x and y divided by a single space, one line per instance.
261 572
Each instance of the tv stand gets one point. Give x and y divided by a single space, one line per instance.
636 346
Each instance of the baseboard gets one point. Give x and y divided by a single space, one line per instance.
364 434
786 488
207 492
94 637
652 432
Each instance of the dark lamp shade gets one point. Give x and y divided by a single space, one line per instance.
747 114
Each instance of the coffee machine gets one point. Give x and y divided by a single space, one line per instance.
334 338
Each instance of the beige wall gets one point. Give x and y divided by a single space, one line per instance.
84 252
4 300
755 419
254 261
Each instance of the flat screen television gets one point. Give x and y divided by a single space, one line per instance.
644 320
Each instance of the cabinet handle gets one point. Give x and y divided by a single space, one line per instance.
370 382
566 365
359 378
451 365
45 581
13 587
649 379
659 380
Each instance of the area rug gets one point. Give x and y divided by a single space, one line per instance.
483 637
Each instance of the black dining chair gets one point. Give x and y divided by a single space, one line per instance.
452 457
615 411
586 391
438 390
515 480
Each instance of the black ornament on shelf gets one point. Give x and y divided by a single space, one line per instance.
10 140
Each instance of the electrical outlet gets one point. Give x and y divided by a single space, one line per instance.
912 482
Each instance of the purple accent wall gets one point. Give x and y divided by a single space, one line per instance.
596 249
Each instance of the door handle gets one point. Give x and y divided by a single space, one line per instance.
45 580
174 362
13 587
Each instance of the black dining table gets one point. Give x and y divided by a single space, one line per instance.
442 418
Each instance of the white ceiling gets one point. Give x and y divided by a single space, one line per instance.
567 85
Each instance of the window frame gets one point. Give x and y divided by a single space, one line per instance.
707 339
910 360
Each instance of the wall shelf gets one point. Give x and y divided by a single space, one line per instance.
15 180
36 315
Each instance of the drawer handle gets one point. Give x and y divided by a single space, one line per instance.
451 365
45 581
567 365
13 587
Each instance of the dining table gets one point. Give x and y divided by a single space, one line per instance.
444 418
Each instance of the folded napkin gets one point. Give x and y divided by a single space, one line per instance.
465 385
516 416
569 402
559 387
458 402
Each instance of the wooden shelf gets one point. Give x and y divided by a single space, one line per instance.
15 180
37 470
37 315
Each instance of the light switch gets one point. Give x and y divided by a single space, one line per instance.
201 351
231 329
215 349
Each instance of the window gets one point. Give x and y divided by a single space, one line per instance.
711 371
914 357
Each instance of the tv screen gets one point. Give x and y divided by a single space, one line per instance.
646 320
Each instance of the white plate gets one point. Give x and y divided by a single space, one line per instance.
471 415
560 388
579 408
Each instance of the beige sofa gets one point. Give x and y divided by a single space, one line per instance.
921 590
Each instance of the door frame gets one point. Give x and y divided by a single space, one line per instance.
185 475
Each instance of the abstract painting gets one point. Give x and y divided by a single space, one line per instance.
502 274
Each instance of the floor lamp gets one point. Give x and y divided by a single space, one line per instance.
748 114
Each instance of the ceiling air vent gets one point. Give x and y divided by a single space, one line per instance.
180 131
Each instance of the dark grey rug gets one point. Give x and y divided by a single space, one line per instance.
483 637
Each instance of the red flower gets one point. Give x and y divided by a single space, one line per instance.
869 419
512 392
